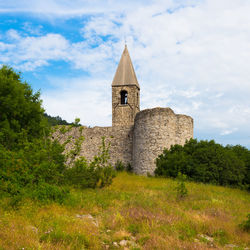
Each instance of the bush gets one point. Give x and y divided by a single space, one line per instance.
246 224
46 192
31 164
84 175
81 175
119 166
97 173
26 169
205 161
129 168
181 187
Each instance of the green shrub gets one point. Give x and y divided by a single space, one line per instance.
46 192
81 175
119 166
106 175
31 164
181 187
206 161
100 163
129 168
97 173
246 224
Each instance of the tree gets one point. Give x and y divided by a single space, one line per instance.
56 120
31 164
21 111
206 161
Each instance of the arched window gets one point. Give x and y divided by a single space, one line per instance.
124 97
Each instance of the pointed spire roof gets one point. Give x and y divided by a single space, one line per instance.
125 73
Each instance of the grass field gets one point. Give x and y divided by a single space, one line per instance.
133 213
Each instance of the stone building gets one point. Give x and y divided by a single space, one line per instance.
136 137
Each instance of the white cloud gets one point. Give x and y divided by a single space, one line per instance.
32 29
28 53
68 7
13 35
228 132
194 58
90 102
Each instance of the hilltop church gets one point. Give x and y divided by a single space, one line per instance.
136 137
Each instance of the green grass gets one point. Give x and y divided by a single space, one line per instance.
143 211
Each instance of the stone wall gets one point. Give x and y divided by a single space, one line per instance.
184 129
154 130
119 137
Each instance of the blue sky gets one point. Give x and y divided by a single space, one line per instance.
192 56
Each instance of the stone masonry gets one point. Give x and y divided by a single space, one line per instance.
154 130
136 137
120 139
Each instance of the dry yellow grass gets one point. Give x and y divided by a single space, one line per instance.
135 213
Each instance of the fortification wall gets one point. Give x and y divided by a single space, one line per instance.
120 139
154 130
184 129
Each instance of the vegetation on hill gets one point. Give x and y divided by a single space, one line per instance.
56 120
135 212
46 205
207 162
21 112
31 164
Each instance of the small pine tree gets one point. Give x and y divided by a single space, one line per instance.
181 189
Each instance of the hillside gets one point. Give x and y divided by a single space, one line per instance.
133 213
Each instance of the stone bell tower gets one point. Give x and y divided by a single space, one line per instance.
125 92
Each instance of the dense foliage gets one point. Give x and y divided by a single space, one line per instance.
97 173
208 162
21 111
31 164
245 225
56 120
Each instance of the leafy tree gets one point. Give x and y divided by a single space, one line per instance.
206 161
244 154
31 164
29 160
20 109
55 120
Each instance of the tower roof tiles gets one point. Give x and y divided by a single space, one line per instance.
125 73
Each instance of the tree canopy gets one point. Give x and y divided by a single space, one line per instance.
32 165
208 162
20 109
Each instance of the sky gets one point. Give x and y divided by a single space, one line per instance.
190 55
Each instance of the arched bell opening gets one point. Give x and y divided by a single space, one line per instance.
124 97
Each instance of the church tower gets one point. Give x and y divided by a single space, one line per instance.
125 92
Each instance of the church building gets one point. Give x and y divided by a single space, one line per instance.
136 137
